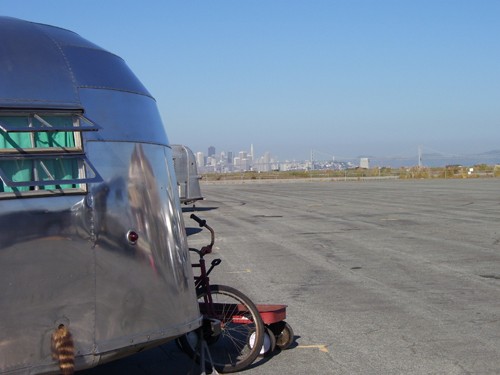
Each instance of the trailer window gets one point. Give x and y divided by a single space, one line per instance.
42 153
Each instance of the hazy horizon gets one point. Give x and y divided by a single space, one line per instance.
321 155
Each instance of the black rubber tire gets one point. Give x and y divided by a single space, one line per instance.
269 343
230 351
285 338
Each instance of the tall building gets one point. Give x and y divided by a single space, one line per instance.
211 151
364 163
266 161
237 163
230 157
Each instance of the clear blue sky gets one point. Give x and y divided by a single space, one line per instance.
348 78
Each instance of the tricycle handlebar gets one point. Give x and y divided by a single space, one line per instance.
203 223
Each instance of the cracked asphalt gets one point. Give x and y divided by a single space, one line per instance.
380 277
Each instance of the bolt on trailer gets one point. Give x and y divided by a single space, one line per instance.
93 250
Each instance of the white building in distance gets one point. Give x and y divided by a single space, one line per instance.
364 163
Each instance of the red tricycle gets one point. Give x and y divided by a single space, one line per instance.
234 329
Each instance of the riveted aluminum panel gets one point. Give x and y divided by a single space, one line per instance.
43 66
107 71
30 63
124 117
144 290
66 259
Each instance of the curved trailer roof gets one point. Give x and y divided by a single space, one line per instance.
28 48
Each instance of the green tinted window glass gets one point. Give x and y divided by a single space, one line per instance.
55 139
15 140
57 169
25 170
18 170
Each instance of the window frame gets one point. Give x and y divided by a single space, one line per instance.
37 156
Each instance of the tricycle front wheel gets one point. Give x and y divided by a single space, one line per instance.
239 319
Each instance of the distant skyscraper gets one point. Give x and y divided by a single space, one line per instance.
364 163
230 157
266 167
237 163
211 151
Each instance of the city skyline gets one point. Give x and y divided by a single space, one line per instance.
229 161
222 160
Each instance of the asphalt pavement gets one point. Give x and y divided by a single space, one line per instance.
380 277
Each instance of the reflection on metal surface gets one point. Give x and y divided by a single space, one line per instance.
68 259
187 175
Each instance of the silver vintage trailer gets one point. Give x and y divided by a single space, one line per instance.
186 171
92 240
